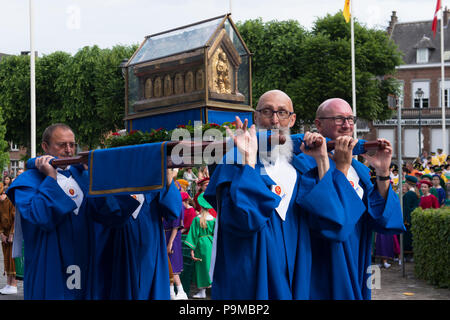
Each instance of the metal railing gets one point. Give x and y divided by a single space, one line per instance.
426 112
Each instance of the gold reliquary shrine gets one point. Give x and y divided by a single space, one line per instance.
199 72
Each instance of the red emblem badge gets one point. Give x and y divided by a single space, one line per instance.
353 185
278 190
72 192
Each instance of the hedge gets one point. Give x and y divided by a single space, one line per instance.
431 244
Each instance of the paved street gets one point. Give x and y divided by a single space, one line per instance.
19 295
396 287
393 286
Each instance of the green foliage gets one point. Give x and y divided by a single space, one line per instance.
314 66
275 45
15 98
431 242
91 87
4 145
85 91
157 135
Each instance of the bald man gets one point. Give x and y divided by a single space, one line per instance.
262 232
341 254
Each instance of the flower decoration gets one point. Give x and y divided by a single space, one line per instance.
158 135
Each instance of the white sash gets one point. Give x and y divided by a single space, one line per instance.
72 189
353 178
139 197
285 176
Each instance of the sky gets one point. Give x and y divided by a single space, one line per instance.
68 25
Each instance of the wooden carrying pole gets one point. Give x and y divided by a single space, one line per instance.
82 157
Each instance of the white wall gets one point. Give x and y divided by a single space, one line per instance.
411 143
436 139
389 135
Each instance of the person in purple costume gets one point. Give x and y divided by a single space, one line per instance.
386 248
172 230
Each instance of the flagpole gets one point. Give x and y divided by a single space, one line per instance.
32 82
443 111
352 32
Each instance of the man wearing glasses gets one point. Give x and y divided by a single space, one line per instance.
53 217
341 254
262 233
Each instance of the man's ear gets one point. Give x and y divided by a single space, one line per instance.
44 146
317 123
292 120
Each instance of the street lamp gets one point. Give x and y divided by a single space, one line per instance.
419 95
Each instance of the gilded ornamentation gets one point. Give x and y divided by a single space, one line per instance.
168 89
157 90
189 82
148 90
200 79
179 83
221 71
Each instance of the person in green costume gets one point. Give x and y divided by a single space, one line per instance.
200 240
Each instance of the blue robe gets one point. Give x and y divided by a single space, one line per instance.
257 252
131 255
341 249
57 243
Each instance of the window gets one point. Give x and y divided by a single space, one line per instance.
411 144
13 146
422 55
14 167
388 134
436 138
425 87
446 94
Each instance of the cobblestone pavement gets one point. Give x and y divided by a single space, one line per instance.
396 287
393 286
19 295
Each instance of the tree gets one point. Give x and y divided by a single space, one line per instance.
4 145
375 57
275 46
92 91
15 94
85 91
313 66
15 98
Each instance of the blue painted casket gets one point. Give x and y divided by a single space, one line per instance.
200 72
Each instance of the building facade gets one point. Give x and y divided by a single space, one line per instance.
420 89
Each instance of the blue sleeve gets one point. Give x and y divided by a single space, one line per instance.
170 202
385 215
112 211
45 206
332 206
246 203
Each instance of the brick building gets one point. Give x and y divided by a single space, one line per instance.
421 70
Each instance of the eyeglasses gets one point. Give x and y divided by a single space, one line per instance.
282 114
340 120
64 145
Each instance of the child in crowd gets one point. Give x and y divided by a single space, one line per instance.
200 241
173 241
436 181
188 263
427 200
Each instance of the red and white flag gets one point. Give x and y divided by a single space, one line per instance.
435 19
